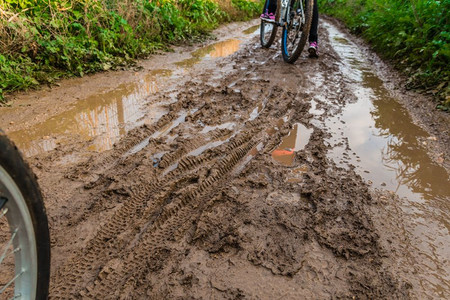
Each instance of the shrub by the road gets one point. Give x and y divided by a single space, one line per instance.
413 34
42 41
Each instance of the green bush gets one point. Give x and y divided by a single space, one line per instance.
247 8
414 34
42 41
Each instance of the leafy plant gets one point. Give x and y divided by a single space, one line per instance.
413 34
42 41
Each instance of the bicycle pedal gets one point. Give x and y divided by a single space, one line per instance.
268 20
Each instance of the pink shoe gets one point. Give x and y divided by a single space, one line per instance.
268 16
313 50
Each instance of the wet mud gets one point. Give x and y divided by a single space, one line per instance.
228 174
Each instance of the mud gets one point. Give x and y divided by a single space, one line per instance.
220 172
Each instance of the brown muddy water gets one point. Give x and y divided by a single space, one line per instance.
102 118
389 153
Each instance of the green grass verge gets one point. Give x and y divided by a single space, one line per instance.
43 41
413 34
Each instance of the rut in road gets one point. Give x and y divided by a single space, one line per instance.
150 204
198 191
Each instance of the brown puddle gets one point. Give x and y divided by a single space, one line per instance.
221 49
296 140
252 29
388 153
102 117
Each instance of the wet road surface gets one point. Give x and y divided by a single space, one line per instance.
227 173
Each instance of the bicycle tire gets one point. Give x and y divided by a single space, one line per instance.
19 188
268 32
292 28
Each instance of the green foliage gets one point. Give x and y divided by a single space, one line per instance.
414 34
248 7
42 41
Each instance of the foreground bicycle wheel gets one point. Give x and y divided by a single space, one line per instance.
24 235
296 29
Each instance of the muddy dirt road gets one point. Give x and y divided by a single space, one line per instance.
220 172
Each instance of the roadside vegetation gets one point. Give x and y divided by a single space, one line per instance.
43 41
413 34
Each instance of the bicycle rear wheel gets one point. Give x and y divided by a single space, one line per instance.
296 29
24 235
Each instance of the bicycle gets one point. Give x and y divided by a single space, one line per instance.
295 16
24 234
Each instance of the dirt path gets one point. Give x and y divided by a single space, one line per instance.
230 176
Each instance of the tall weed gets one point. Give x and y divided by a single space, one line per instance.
42 41
414 34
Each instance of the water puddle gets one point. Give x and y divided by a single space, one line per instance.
103 117
252 30
388 153
228 125
207 146
162 132
221 49
296 140
256 111
315 110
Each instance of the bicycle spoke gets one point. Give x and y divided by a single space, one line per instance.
5 250
10 282
3 213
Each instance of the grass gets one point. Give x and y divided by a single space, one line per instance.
43 41
413 34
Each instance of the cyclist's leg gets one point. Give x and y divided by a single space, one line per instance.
272 7
313 36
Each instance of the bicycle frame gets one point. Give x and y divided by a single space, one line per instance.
284 13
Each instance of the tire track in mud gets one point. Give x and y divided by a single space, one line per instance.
100 250
164 228
102 247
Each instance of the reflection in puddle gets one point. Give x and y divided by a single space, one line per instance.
255 113
297 139
252 29
207 146
228 125
102 117
221 49
341 40
315 110
389 154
